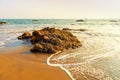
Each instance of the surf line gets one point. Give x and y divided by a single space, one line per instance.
50 64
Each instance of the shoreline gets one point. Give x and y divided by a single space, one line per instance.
20 64
55 65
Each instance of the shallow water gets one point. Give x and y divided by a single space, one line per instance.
97 59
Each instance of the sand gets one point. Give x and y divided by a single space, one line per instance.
20 64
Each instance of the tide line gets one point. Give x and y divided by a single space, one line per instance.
50 64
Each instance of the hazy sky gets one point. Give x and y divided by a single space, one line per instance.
59 8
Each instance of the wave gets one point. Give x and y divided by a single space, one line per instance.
50 64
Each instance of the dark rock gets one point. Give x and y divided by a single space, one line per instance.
83 30
46 48
113 20
80 20
66 29
35 20
25 35
51 40
2 23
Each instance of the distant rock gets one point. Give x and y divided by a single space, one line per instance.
35 20
75 29
113 20
2 23
82 30
66 29
51 40
80 20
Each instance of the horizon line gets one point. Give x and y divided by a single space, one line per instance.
61 18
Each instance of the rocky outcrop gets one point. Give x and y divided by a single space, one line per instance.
2 23
25 35
51 40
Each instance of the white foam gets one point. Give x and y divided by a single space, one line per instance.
94 49
50 64
2 43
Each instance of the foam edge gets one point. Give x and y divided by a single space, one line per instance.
50 64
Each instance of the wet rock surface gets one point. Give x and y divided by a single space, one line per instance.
51 40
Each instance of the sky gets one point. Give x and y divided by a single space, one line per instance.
59 9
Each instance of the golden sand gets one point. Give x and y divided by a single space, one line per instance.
19 64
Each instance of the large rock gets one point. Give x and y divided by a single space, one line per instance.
51 40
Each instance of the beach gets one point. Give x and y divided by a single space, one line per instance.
97 59
20 64
59 40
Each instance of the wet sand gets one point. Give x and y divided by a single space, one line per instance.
19 64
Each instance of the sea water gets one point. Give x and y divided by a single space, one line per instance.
15 27
97 59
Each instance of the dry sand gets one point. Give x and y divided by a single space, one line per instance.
19 64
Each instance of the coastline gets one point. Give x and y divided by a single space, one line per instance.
19 64
97 59
58 65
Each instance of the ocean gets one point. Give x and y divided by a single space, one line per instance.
97 59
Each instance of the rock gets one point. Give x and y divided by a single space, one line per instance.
80 20
83 30
46 48
2 23
66 29
35 20
113 21
25 35
51 40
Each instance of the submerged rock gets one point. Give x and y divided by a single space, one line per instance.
51 40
